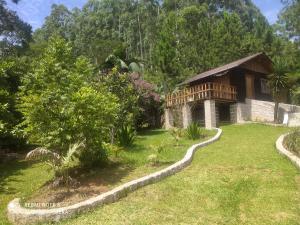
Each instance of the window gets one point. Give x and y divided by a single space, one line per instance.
265 89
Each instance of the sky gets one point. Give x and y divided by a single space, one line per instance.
35 11
270 8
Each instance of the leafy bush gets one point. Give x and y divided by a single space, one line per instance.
10 74
293 141
139 104
113 149
126 136
153 159
62 104
121 86
194 132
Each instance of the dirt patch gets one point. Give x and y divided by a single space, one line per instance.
89 184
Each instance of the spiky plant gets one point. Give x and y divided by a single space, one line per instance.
278 82
60 164
126 136
193 131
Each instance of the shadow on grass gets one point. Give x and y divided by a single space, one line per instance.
225 124
90 182
9 169
108 175
151 132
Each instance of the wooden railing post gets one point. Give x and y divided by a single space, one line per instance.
202 92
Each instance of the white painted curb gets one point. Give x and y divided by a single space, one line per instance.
282 150
23 216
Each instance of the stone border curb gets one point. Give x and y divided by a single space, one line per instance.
23 216
282 150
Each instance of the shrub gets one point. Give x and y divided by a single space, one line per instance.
62 104
121 86
10 74
293 141
113 149
177 134
126 136
194 132
153 159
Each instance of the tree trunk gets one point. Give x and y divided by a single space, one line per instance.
112 135
140 36
276 112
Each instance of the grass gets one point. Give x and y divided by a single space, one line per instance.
20 179
241 179
147 141
26 180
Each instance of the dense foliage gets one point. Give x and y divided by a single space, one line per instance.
15 34
99 46
173 39
289 19
62 104
11 71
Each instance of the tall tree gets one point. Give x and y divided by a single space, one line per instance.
290 18
59 22
15 34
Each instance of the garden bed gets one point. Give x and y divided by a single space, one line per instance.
152 151
292 142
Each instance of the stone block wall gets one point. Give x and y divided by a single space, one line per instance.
260 111
239 113
168 119
186 115
294 120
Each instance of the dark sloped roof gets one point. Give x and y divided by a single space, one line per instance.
223 69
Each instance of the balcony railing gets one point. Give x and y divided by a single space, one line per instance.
202 92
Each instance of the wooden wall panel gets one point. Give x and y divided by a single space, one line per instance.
250 89
222 79
258 66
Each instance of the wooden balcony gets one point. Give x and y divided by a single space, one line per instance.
201 92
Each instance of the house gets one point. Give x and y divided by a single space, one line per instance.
236 92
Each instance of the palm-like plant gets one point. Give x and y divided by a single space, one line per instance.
59 163
278 82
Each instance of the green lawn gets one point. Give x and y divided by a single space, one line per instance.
241 179
20 179
23 179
